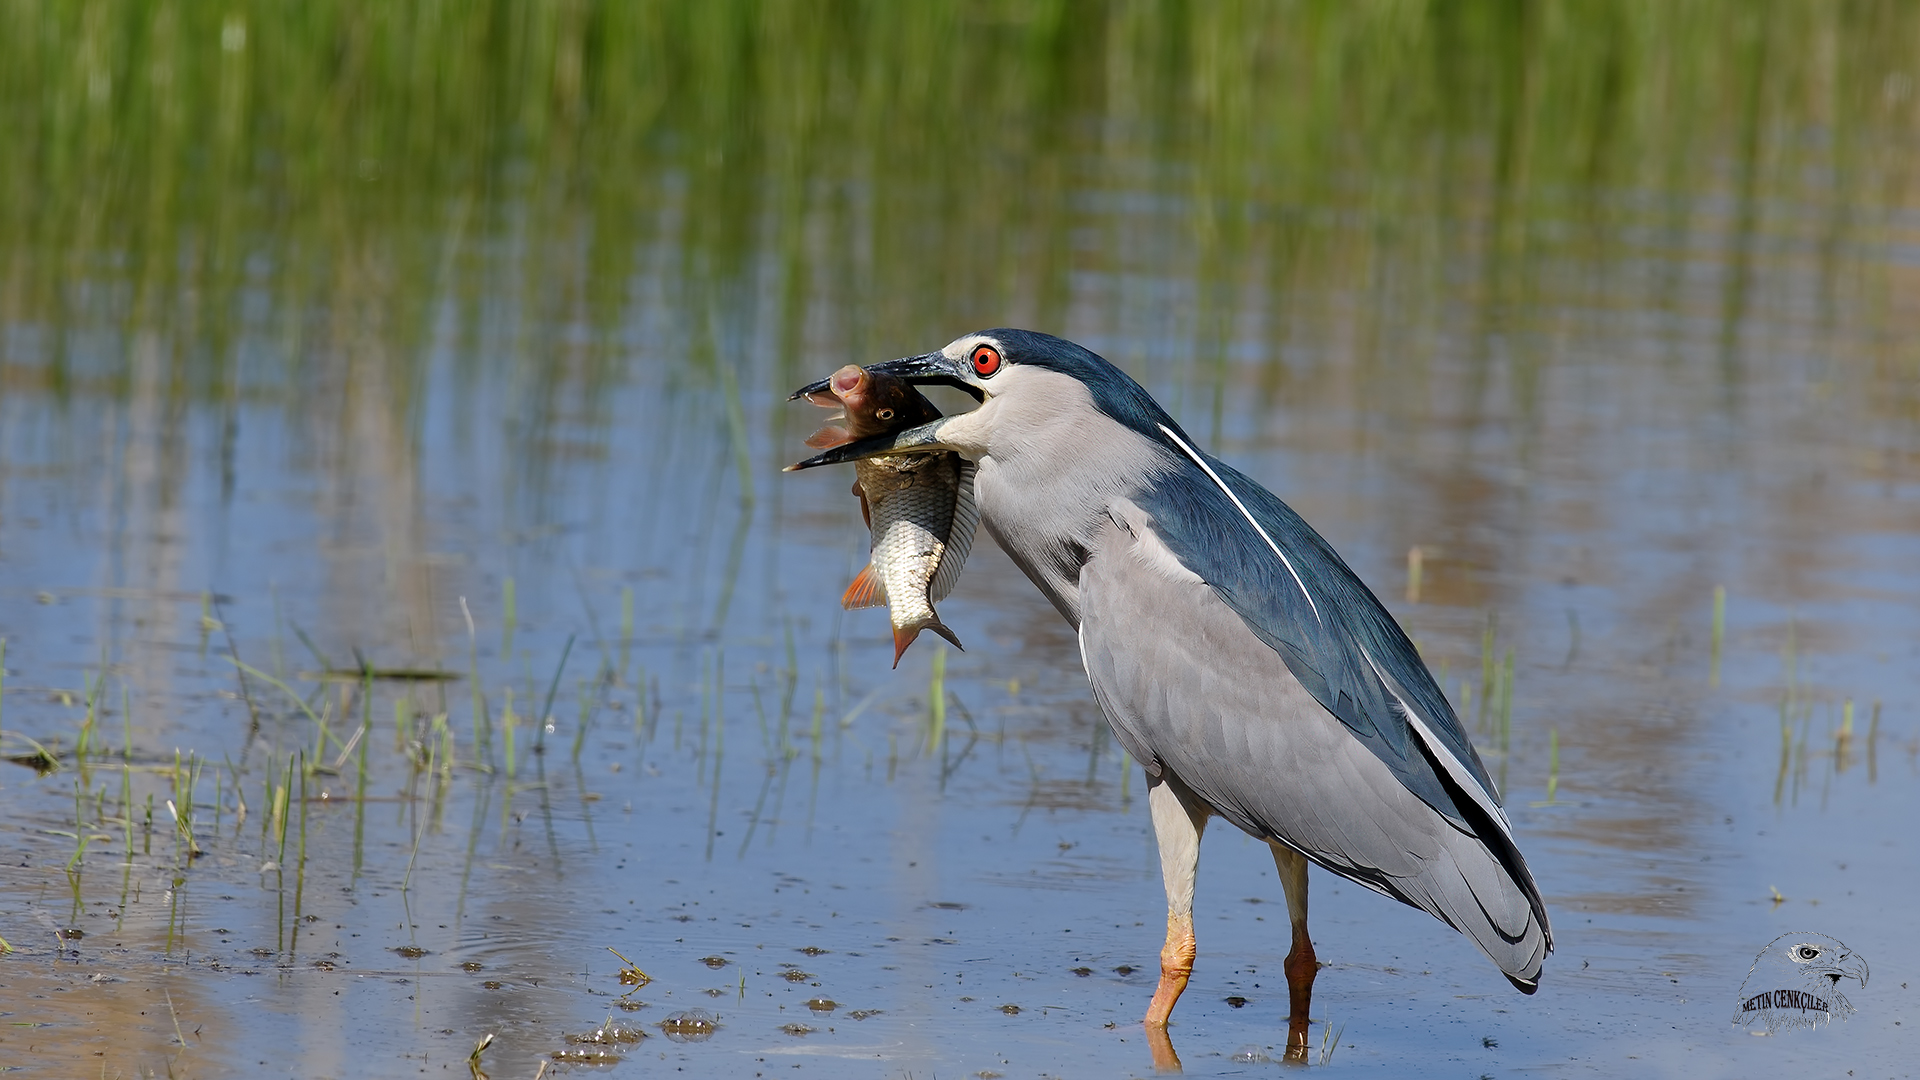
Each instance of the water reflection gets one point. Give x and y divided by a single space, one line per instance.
455 340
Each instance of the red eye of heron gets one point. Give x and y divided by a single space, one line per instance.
986 361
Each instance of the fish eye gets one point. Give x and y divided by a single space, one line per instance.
1806 952
986 361
884 414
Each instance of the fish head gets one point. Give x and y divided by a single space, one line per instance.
1019 377
873 402
832 392
846 390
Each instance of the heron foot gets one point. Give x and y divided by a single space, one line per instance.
1301 966
1176 966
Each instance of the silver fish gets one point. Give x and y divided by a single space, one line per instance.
919 507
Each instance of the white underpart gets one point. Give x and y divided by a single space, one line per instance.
1288 563
1455 767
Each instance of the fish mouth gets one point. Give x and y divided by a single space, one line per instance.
911 440
927 369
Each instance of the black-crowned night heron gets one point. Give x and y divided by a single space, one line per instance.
1234 653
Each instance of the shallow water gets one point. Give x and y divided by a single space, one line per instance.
1600 316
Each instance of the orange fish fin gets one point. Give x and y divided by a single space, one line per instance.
866 590
902 637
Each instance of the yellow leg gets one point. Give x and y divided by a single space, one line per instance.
1176 966
1178 820
1301 965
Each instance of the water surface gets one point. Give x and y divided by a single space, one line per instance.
459 341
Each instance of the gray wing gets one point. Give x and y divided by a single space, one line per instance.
1190 689
1328 627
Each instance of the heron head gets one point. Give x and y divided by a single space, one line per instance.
995 366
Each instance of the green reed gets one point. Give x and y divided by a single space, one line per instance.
1719 632
819 717
509 617
80 833
241 134
281 810
360 785
406 881
937 702
126 807
1873 739
300 859
404 742
83 739
541 721
1553 769
1487 684
1506 701
507 722
626 630
482 722
737 435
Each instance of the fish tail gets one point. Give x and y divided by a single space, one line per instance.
903 636
940 628
867 590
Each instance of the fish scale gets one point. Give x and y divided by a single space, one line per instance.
915 500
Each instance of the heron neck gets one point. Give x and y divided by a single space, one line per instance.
1046 479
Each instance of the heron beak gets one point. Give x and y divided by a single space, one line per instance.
913 440
927 369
